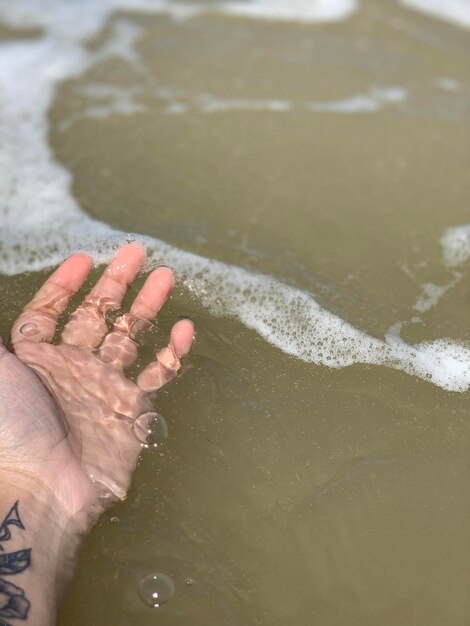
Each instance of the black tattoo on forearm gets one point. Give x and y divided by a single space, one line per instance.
14 562
13 602
12 519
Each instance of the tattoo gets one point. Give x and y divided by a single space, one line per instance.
13 602
12 519
15 562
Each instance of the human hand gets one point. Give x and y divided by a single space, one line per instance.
67 410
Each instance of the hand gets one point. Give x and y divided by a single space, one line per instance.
67 411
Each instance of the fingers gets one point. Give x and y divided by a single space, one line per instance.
154 293
87 325
38 320
168 362
119 346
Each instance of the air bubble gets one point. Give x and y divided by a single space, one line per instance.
150 429
114 520
29 329
155 589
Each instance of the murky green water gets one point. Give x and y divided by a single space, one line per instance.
286 493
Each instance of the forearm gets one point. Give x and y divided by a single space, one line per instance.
36 553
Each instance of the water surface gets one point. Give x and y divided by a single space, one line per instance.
327 155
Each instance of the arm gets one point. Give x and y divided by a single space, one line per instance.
71 423
34 542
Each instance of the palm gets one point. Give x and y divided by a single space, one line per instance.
98 405
83 443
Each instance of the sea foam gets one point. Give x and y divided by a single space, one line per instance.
455 244
42 222
83 18
454 11
304 10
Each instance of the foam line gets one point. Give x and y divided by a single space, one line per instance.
42 222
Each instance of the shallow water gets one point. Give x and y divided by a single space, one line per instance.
327 156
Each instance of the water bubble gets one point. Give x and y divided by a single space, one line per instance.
150 428
114 520
29 329
155 589
189 581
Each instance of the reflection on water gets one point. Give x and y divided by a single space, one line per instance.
307 177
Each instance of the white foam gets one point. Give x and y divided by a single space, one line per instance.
124 101
454 11
416 100
109 100
431 295
211 104
455 244
42 222
78 20
447 83
375 100
299 10
81 19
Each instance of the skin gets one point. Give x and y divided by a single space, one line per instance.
67 410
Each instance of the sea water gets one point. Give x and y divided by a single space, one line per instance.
301 165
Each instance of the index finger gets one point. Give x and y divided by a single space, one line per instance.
38 320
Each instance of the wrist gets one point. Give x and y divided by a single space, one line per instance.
43 538
33 551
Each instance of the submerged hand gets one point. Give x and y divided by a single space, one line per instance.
67 411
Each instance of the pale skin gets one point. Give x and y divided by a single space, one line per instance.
68 443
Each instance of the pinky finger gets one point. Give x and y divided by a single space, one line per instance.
168 362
